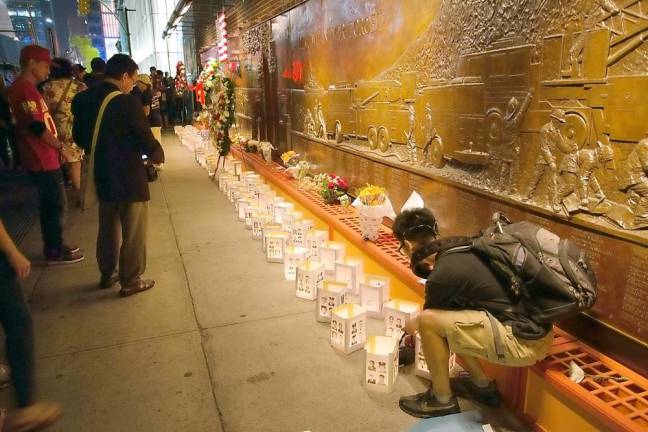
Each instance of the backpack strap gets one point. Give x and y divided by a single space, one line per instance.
102 109
442 246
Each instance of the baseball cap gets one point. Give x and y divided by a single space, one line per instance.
35 52
144 78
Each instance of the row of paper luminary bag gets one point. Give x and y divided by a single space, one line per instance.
343 294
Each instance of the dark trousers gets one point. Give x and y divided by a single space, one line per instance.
53 206
17 324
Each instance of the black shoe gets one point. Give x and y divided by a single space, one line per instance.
464 387
425 405
108 282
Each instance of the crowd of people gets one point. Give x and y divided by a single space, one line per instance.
104 128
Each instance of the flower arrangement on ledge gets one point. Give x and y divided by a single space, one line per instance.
371 195
290 158
332 188
373 204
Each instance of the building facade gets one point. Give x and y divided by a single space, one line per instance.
33 22
147 19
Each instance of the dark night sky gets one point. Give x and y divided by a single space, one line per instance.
63 9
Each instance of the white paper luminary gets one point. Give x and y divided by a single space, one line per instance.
270 205
249 212
234 191
243 203
229 164
314 240
331 252
289 219
267 228
397 313
300 230
381 363
374 292
293 258
251 181
223 178
259 219
420 365
328 298
349 270
280 209
259 191
310 279
266 202
348 327
276 246
238 168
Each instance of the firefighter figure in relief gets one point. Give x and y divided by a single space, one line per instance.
577 176
551 138
506 153
633 180
411 139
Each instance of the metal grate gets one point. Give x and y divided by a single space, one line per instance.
624 392
386 241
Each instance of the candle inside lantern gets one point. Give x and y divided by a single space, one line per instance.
331 252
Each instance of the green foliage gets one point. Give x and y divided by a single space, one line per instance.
84 47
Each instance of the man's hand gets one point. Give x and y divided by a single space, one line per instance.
20 264
411 326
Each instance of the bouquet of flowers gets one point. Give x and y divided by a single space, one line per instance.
289 158
332 187
373 204
371 195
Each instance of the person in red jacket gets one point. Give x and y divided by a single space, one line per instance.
40 151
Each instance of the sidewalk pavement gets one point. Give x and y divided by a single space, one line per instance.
220 344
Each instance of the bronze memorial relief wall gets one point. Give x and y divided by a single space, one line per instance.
532 107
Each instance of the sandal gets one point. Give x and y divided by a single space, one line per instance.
32 418
136 287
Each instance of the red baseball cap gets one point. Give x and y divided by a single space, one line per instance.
35 52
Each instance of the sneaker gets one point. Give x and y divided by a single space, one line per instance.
425 405
63 257
464 387
71 249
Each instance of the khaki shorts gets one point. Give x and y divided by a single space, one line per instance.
469 332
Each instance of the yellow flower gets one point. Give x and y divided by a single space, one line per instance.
372 195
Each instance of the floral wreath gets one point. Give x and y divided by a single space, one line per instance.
221 106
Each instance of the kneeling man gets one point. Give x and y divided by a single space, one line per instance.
468 311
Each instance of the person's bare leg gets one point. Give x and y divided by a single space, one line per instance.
474 368
437 353
74 171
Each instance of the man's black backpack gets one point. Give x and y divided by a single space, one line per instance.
549 276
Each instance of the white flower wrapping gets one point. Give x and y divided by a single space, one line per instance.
371 217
